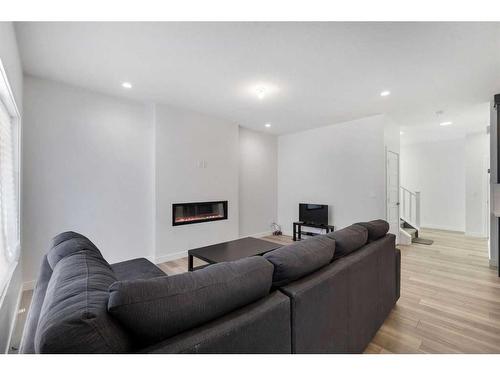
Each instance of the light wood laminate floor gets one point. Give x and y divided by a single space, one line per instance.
450 298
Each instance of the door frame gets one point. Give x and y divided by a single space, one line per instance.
387 151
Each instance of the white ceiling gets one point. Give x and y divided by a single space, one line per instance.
471 119
323 73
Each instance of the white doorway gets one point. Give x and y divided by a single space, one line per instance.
392 192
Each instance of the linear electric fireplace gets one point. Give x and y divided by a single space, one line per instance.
198 212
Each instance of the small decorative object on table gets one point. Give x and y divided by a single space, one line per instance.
276 229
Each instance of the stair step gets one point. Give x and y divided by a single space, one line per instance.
412 232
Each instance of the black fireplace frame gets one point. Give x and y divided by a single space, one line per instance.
174 205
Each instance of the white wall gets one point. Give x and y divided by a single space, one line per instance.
341 165
183 139
9 55
437 170
392 136
88 167
258 181
476 184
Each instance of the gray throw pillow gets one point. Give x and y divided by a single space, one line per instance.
349 239
299 259
376 229
158 308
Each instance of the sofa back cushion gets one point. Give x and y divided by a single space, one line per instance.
162 307
299 259
74 317
376 229
67 243
349 239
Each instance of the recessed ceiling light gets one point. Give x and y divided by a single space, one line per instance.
446 123
126 85
401 133
267 125
261 92
385 93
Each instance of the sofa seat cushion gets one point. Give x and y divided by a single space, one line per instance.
134 269
349 239
159 308
376 229
299 259
74 317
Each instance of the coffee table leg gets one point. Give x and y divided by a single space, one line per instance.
294 232
190 263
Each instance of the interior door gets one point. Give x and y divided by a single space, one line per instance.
392 192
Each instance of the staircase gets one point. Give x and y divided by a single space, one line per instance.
407 233
409 216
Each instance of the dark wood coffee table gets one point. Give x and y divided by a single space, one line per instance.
232 250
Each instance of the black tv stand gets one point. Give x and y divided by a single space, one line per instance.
297 228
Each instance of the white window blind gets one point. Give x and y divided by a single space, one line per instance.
8 198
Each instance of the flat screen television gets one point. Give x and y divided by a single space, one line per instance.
313 213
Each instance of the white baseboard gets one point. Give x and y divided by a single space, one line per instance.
438 227
260 235
476 234
170 257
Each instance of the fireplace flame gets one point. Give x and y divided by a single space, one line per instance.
184 219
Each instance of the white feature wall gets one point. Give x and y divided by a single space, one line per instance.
341 165
437 170
258 181
196 160
111 168
88 167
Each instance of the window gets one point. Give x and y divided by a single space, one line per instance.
9 176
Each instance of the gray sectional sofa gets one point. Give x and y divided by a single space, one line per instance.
327 294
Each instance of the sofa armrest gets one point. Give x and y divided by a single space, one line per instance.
320 310
28 339
339 308
261 327
135 269
398 273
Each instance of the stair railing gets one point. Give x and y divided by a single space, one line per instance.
410 206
